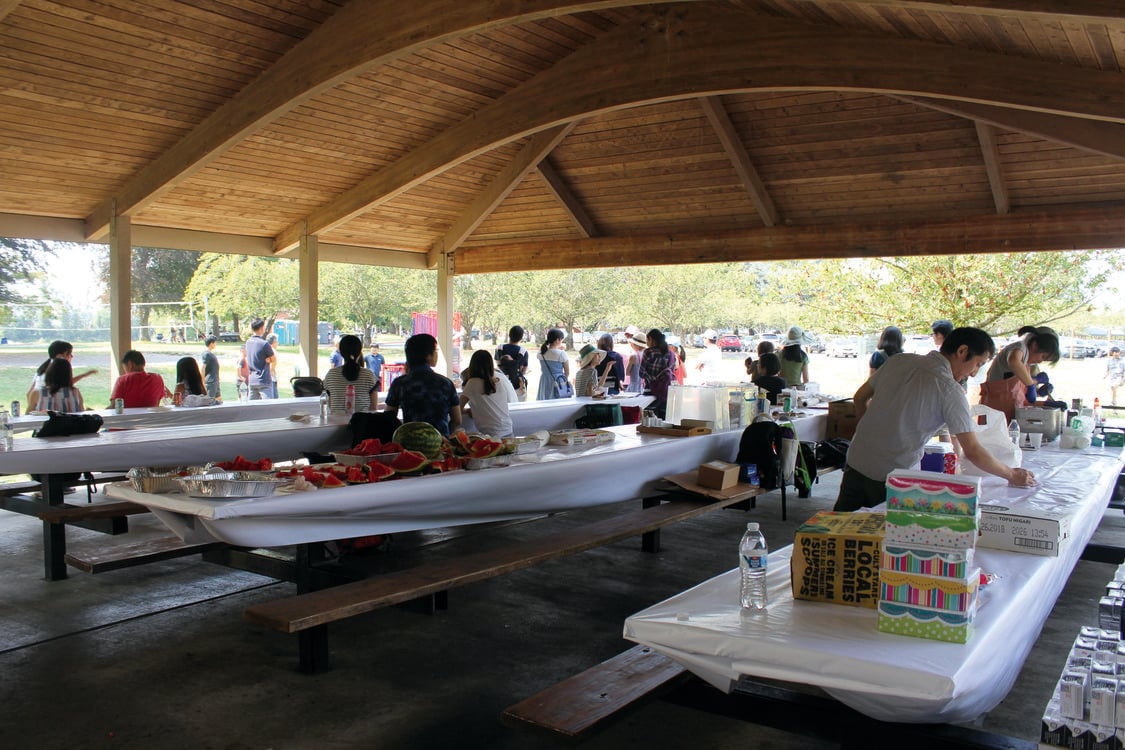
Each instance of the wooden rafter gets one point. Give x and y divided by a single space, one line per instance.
1094 136
986 134
739 159
567 199
498 189
1076 11
688 51
1076 229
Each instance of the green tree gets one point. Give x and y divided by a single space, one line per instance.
158 276
366 297
998 292
18 260
685 299
236 287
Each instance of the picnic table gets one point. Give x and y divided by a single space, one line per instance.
889 677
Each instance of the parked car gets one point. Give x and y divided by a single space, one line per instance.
843 347
230 336
749 343
918 344
730 343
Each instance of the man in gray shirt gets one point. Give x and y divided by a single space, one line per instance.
904 404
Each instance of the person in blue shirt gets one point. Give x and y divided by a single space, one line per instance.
422 394
375 362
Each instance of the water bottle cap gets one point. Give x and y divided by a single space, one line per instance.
752 526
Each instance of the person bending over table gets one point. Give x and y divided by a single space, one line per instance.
56 350
422 394
904 404
136 387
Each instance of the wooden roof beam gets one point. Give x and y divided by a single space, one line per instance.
1076 11
357 38
986 134
740 160
1094 136
1073 229
687 51
498 189
567 199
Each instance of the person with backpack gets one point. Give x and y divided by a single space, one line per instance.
611 362
554 367
511 359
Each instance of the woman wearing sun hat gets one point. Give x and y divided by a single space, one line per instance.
794 360
638 342
586 379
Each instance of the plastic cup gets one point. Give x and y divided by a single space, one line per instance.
1035 440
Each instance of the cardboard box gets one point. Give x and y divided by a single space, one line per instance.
932 592
928 492
841 419
911 528
718 475
923 622
836 558
930 562
1035 528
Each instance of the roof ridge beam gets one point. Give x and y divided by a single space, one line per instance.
686 51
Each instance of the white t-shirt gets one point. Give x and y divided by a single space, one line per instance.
914 396
710 364
490 410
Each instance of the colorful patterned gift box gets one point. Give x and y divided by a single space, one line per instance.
922 622
947 594
929 562
911 528
928 492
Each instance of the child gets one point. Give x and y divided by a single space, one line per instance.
770 364
586 381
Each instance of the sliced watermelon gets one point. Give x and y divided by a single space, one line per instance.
332 481
409 462
377 471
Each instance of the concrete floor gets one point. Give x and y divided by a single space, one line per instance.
159 657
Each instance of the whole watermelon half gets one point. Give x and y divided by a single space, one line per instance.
422 437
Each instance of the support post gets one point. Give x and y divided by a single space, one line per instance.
120 290
445 305
309 278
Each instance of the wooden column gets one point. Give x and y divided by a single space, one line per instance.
120 291
445 305
309 274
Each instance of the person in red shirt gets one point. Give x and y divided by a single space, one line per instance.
136 387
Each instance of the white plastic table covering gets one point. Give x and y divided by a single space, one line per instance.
171 446
170 416
553 480
885 676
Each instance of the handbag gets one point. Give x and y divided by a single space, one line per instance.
1005 395
59 424
563 388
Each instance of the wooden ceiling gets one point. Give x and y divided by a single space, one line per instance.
542 134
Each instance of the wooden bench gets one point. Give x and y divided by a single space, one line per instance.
104 559
72 513
577 706
308 614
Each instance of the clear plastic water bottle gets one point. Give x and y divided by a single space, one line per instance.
349 400
753 560
1014 432
734 408
323 406
6 430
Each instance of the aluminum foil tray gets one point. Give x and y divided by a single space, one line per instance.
157 480
233 484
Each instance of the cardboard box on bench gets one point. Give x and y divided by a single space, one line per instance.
836 558
718 475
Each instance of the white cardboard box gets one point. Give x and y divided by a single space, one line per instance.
1031 528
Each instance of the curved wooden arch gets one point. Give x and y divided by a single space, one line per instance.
354 40
689 51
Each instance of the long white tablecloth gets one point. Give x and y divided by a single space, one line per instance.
170 446
890 677
553 480
171 416
555 414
